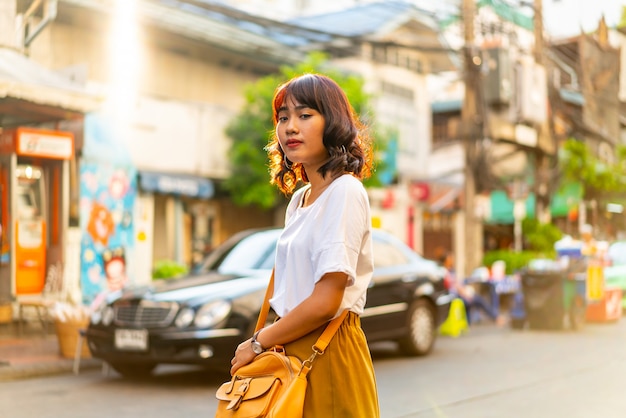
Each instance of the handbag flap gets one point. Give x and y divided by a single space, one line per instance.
246 388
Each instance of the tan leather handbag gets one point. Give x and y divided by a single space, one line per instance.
273 384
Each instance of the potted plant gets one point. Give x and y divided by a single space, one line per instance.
168 269
69 320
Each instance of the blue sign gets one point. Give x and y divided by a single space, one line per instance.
176 184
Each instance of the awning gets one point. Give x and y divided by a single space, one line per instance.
439 197
445 198
176 184
568 197
502 208
30 93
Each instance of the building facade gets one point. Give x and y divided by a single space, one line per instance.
143 182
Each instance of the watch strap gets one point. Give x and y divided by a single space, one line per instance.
254 340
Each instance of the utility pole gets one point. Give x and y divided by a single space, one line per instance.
473 242
544 134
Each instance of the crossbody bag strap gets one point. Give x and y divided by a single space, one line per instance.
265 309
328 334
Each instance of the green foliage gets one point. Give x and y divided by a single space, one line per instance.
578 163
622 21
168 269
541 237
381 136
515 261
250 130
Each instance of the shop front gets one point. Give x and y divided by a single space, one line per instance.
36 157
34 179
179 214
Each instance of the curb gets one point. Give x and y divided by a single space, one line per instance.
14 372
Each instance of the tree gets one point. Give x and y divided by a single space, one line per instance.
250 130
599 178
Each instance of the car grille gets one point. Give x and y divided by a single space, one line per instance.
145 314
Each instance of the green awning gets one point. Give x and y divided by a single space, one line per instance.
568 197
502 208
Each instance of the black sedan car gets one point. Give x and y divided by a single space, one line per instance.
200 319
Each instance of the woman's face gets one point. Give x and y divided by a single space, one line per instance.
300 131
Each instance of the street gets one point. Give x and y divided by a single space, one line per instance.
489 372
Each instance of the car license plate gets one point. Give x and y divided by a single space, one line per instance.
131 339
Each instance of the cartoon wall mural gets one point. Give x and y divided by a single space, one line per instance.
108 190
107 198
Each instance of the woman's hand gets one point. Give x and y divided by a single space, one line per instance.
243 356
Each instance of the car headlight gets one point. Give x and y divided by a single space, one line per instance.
96 317
184 317
107 315
212 313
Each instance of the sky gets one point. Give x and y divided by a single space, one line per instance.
566 17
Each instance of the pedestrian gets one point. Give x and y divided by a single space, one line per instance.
473 301
324 255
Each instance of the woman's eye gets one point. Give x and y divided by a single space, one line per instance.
305 116
282 118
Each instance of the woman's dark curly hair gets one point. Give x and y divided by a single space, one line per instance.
346 139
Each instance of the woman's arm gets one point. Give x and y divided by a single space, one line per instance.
312 313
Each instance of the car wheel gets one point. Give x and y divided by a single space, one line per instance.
133 371
421 329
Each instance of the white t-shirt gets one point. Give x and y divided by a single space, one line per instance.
331 235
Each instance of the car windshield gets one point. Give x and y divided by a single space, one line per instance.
249 252
243 254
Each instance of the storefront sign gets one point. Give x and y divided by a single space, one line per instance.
46 144
176 184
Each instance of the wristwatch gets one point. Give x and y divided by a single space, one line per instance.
256 346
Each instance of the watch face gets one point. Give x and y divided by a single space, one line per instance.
256 347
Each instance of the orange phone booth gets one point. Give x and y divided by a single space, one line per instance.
34 184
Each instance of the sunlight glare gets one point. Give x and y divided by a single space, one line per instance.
124 57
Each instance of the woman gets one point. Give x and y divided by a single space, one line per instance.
324 255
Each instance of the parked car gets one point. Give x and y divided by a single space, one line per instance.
615 272
200 319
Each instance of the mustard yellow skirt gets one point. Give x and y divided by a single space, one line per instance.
342 382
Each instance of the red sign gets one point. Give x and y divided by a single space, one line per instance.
420 191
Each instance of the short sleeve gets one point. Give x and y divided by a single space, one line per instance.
341 229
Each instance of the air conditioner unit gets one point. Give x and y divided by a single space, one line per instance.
531 91
497 84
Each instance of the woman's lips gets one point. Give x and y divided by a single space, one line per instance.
293 143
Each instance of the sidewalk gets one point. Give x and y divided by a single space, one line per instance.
33 354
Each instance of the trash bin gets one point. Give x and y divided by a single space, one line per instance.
543 299
552 300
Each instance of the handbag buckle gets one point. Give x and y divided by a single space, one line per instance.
239 394
316 352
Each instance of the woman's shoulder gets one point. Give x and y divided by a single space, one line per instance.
348 182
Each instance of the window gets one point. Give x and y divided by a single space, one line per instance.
386 255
